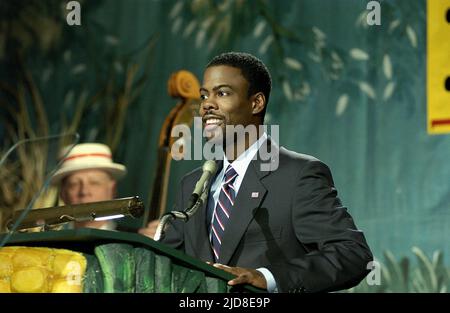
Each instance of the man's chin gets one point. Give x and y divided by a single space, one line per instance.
214 135
215 140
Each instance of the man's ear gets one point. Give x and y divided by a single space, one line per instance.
258 103
62 194
114 188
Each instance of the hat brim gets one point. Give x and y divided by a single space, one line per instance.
116 170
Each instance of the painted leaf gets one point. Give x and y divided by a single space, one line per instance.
387 66
293 64
259 28
426 269
362 19
298 96
393 25
287 90
46 74
333 76
367 89
315 57
207 23
118 67
318 33
335 56
214 38
176 9
341 104
111 40
305 89
224 6
336 61
265 45
200 38
67 56
411 36
69 98
92 134
189 28
77 69
359 54
177 25
389 90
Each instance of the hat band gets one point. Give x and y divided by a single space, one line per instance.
102 155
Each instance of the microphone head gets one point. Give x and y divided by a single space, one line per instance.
210 166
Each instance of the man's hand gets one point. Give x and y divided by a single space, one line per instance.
150 230
244 276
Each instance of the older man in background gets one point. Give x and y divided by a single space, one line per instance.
88 174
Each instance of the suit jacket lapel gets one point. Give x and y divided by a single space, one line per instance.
200 236
249 198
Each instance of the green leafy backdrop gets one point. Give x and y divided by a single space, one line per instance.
348 93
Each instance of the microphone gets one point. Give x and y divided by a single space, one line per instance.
200 193
209 170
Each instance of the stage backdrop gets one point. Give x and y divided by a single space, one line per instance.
346 90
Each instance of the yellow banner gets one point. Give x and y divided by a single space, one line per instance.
438 66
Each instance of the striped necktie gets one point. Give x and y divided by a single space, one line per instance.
222 211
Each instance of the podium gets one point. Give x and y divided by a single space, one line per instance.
128 262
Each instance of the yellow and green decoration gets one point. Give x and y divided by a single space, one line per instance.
24 269
112 267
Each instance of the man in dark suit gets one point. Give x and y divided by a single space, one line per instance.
281 228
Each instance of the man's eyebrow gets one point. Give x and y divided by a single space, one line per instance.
216 87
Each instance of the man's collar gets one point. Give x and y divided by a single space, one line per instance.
240 165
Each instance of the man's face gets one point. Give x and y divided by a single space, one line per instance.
88 186
225 100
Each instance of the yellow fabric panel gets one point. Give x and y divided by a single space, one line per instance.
31 269
438 66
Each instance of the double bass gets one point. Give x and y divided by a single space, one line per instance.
184 86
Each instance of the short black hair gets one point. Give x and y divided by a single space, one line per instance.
253 70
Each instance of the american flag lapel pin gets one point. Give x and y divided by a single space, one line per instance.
255 194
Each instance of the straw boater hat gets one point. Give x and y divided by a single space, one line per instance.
88 156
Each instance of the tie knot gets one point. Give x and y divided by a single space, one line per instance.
230 174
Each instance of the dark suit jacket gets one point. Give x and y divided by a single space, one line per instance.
297 227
